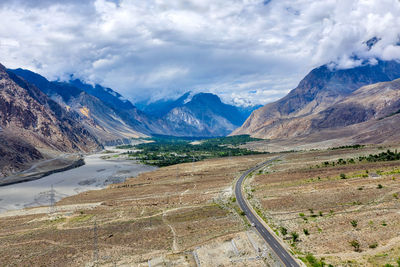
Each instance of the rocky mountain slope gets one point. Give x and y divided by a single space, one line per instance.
324 99
29 120
202 114
97 109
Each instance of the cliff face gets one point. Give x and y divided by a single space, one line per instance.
15 154
31 115
320 92
97 115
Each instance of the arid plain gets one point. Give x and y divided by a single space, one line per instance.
186 214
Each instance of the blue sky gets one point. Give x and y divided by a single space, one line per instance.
247 51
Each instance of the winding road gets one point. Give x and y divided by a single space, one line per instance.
284 256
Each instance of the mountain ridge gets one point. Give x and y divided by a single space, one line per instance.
321 89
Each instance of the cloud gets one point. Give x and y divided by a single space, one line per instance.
155 48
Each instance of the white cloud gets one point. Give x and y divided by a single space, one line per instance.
161 48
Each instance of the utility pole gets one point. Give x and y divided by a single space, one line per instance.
52 200
193 165
95 245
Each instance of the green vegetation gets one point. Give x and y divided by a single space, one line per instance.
354 223
357 146
165 151
283 231
383 156
295 236
231 140
82 218
356 245
310 260
306 232
373 245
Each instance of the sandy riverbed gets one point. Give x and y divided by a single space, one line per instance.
95 174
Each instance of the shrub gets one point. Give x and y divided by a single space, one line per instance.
343 176
295 236
283 231
373 245
356 245
354 223
380 186
306 232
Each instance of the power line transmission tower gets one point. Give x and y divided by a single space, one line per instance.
193 164
95 245
52 199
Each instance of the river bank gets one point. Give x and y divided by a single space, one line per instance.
97 173
45 168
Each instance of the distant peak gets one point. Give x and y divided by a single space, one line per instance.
206 96
371 42
2 68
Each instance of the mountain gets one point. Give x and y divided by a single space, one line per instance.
99 116
202 114
29 120
321 92
161 107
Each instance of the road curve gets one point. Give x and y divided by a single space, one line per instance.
285 256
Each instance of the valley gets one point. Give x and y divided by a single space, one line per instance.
200 133
187 214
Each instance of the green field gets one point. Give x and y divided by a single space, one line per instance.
165 151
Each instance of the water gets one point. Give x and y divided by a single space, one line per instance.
97 173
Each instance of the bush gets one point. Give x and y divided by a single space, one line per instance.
373 245
313 261
306 232
295 236
343 176
356 245
283 231
354 223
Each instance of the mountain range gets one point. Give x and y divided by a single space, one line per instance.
37 116
202 114
329 100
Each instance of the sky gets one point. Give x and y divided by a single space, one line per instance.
246 51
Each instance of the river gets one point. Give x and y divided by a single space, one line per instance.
97 173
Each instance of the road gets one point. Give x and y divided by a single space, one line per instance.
285 256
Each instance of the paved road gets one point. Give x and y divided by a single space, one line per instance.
285 257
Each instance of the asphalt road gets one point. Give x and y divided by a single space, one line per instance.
285 256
